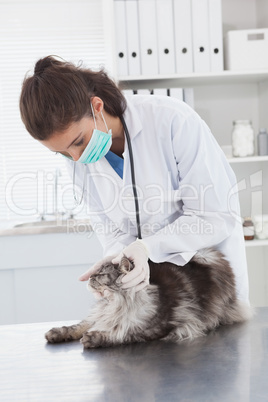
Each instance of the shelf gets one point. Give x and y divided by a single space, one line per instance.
194 79
256 243
248 159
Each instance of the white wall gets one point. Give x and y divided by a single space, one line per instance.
239 14
220 105
262 13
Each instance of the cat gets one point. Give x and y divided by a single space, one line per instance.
181 302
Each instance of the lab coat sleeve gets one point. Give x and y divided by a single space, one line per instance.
112 239
207 189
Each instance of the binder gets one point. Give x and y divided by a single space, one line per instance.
121 37
166 49
188 96
148 37
183 36
133 39
143 92
127 92
176 93
160 91
200 32
215 35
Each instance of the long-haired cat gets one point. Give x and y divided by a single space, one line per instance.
181 302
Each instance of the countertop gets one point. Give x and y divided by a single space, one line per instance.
230 364
61 225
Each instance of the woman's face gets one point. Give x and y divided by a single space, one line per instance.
72 141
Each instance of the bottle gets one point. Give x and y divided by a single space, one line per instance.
248 228
262 140
242 138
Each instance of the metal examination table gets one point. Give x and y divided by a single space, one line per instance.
230 364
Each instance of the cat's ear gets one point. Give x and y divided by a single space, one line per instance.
125 265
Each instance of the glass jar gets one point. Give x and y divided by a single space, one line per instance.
261 226
248 229
242 138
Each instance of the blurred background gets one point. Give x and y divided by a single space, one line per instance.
211 54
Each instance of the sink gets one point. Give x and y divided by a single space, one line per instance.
40 224
60 225
55 225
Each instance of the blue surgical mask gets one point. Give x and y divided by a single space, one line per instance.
99 144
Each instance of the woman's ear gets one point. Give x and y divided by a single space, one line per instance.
125 265
97 104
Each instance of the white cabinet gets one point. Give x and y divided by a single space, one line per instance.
221 98
39 276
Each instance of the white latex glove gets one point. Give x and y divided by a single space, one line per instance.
139 276
92 270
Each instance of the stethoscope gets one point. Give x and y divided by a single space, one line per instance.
78 202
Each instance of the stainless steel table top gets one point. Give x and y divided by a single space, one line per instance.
230 364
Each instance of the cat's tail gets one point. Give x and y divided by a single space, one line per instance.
239 312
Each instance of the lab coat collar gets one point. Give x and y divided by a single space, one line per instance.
134 126
102 167
132 120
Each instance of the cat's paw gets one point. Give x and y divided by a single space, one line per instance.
91 340
55 335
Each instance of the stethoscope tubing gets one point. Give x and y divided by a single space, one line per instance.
132 177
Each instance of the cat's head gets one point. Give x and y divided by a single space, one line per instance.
109 276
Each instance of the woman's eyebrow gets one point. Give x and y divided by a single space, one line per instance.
74 140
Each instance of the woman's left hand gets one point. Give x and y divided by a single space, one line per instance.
139 276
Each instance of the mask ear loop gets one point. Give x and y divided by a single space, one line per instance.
104 122
93 114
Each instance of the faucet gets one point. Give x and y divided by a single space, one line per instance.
57 174
56 213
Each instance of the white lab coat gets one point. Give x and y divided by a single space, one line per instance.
185 185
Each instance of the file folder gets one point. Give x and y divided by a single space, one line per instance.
183 36
127 92
121 38
160 91
200 31
215 35
165 30
176 93
143 92
148 37
133 40
188 96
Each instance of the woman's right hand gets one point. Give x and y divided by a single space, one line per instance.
92 270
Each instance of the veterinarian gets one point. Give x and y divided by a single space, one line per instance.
186 190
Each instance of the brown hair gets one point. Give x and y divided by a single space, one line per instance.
59 93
